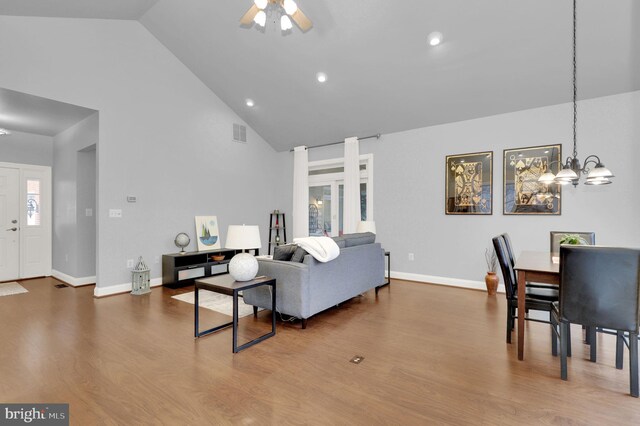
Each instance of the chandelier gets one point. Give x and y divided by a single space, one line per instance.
287 10
572 170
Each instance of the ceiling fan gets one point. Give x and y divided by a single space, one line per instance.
288 9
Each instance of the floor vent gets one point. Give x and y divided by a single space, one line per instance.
357 359
61 285
239 133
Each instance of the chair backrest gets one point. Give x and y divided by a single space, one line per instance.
508 273
600 286
507 243
556 236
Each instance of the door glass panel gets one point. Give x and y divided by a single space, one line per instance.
363 204
320 210
33 202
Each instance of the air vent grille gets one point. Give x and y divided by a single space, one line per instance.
239 133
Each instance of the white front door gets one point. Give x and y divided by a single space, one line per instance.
25 221
9 224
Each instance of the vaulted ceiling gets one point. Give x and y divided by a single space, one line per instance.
497 56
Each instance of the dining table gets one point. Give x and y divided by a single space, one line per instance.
533 266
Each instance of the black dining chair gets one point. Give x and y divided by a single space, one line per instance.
600 288
539 299
512 259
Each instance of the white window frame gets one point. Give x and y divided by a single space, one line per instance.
366 176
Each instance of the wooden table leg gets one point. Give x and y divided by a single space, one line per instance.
522 289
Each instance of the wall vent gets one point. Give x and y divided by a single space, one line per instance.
239 133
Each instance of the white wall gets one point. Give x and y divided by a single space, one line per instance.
164 136
26 148
69 257
409 185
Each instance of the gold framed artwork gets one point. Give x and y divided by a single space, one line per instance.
522 193
469 183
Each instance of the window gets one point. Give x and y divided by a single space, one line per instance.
326 194
33 202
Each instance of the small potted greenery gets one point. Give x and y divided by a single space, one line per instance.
573 239
491 279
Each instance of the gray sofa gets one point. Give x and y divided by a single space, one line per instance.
304 289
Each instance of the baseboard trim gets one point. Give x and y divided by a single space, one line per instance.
73 281
446 281
112 290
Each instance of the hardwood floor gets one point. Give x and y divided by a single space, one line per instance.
433 355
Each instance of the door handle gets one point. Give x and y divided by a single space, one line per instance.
12 229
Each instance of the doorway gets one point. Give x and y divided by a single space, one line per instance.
25 220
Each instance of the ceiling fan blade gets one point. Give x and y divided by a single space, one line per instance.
301 20
247 18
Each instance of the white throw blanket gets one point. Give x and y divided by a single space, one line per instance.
323 249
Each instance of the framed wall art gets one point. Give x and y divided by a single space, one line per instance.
469 183
523 194
207 233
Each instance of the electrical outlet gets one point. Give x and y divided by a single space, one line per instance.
117 213
156 259
88 212
129 263
411 256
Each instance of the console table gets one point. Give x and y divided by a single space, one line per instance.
225 284
180 269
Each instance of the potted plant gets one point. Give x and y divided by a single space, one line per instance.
573 239
491 279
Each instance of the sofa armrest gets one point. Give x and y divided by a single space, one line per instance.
292 287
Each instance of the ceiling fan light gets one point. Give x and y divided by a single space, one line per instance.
285 23
290 7
260 18
261 4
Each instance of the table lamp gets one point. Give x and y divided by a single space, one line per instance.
243 266
366 226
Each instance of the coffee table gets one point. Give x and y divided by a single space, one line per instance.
225 284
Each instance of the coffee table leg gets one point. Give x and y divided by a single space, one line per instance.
195 316
522 287
235 321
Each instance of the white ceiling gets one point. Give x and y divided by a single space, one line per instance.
33 114
497 56
103 9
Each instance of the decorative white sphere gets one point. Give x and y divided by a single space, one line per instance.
243 267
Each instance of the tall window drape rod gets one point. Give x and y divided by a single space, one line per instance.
377 136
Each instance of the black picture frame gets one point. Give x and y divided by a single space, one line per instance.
469 184
523 194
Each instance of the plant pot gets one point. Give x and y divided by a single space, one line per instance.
491 280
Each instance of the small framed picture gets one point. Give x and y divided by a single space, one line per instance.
469 183
523 194
207 233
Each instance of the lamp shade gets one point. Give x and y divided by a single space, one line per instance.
242 237
366 226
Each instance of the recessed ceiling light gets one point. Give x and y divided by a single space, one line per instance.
322 77
249 102
435 38
4 132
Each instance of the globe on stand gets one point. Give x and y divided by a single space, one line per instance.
182 240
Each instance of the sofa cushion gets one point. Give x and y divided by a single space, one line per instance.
284 252
340 242
299 255
359 239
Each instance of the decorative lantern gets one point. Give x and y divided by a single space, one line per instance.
140 278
